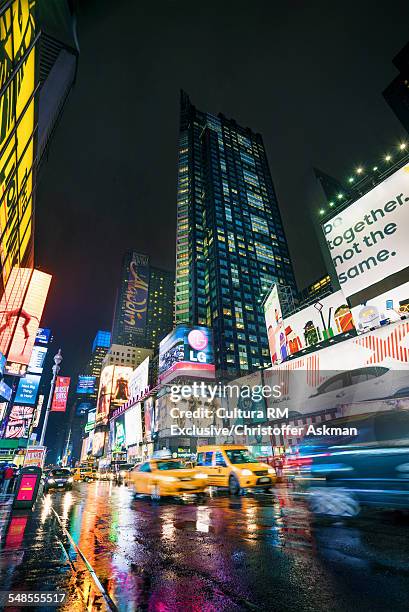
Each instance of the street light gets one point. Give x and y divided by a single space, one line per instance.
56 369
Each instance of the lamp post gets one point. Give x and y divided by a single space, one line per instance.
56 369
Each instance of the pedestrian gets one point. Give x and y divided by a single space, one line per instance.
8 476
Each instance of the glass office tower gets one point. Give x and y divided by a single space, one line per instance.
230 240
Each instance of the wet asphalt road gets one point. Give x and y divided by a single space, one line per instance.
255 552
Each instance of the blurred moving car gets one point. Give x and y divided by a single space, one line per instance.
85 474
166 477
345 472
234 467
58 478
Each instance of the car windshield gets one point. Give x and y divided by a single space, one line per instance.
170 465
59 473
240 455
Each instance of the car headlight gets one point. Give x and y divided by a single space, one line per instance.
246 472
169 478
271 471
51 480
70 480
200 475
122 473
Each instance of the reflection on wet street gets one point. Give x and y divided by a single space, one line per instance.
261 552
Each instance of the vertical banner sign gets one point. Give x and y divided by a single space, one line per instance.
60 394
275 327
136 298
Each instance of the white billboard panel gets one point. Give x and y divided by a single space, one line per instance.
368 241
326 318
373 366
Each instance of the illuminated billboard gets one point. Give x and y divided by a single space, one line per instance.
113 390
27 389
149 417
19 422
60 398
37 359
139 379
5 391
275 327
98 442
18 38
133 425
368 241
43 336
86 384
370 367
20 324
186 351
322 320
136 296
119 434
29 318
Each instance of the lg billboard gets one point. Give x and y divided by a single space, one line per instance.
186 351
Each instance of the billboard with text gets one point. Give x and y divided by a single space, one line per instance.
60 398
27 389
275 327
19 422
368 241
187 351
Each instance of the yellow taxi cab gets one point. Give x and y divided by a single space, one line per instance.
84 474
166 477
233 466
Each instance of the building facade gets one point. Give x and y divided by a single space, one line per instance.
230 244
144 305
397 92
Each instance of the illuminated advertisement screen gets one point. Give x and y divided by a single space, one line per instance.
5 391
138 382
28 318
27 389
16 133
2 363
136 297
43 336
19 421
275 327
388 307
37 359
98 442
149 415
11 304
368 241
133 425
60 398
83 408
322 320
113 390
187 351
119 433
86 385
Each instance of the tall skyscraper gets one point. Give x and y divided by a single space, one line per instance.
230 243
100 347
144 306
397 93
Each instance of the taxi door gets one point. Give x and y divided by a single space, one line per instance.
205 465
221 471
142 478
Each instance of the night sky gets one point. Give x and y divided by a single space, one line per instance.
307 76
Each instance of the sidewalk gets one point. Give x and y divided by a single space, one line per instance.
36 556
